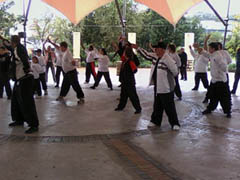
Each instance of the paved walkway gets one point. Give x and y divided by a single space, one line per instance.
92 141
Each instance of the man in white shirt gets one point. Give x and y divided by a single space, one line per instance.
163 71
219 86
71 75
23 108
200 68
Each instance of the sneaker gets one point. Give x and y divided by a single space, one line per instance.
228 115
45 92
232 92
138 111
151 125
31 130
205 101
207 111
176 128
60 98
92 87
14 124
81 101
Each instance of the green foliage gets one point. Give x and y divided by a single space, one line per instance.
232 67
8 20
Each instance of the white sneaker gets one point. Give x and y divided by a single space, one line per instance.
151 125
81 101
176 128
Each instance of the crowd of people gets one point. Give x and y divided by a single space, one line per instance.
31 77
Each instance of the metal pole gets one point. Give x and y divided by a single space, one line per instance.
226 27
124 16
25 22
120 15
216 13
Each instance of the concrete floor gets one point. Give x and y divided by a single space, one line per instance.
92 141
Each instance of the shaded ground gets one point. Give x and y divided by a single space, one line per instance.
92 141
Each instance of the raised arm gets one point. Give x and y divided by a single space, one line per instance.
206 41
82 45
54 44
147 55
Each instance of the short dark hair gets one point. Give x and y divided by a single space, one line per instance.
214 45
38 51
220 45
90 48
129 52
15 39
64 44
172 47
104 51
161 44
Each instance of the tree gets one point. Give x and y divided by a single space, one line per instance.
8 20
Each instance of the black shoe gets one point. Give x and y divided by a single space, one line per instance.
1 97
232 92
14 124
118 109
194 89
138 111
31 130
56 86
207 111
228 115
119 85
92 87
180 98
111 88
205 101
9 98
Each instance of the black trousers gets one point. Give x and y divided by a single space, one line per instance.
164 102
90 70
129 91
23 108
37 87
177 89
71 79
59 70
43 81
183 71
235 84
5 83
220 93
106 76
51 66
203 77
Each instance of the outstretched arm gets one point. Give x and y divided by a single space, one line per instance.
54 44
206 41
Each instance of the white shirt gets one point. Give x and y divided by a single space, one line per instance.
67 61
166 71
19 66
176 58
218 66
201 62
103 61
90 56
36 69
59 55
42 62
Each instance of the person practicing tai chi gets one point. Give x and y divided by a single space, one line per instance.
23 107
36 69
71 75
59 56
127 79
90 63
200 68
103 61
42 75
5 60
163 73
219 84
